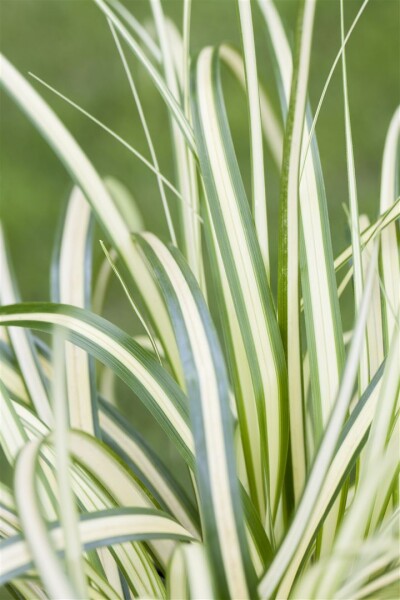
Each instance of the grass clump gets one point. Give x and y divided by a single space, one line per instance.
286 425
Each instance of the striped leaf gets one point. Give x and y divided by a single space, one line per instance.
83 172
117 350
21 341
207 384
255 353
283 565
322 316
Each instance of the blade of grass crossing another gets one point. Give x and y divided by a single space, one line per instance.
271 127
66 506
219 493
110 132
149 468
184 165
288 265
71 284
46 560
131 302
92 186
322 315
256 141
281 566
99 528
189 573
348 450
251 316
389 258
146 131
140 30
106 342
167 95
101 480
380 459
374 336
22 344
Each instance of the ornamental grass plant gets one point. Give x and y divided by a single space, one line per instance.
283 426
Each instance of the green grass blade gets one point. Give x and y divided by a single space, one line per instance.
112 133
97 529
140 31
207 383
12 434
146 131
349 447
256 142
389 258
354 215
374 335
328 80
282 564
66 506
22 344
35 531
322 315
117 350
368 234
91 185
184 163
289 247
380 459
158 81
148 467
255 352
271 127
71 275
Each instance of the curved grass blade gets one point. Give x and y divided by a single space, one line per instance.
146 131
206 379
106 482
147 466
283 564
117 350
66 507
98 529
167 95
46 560
71 280
328 80
22 344
189 573
184 162
91 185
254 346
100 480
